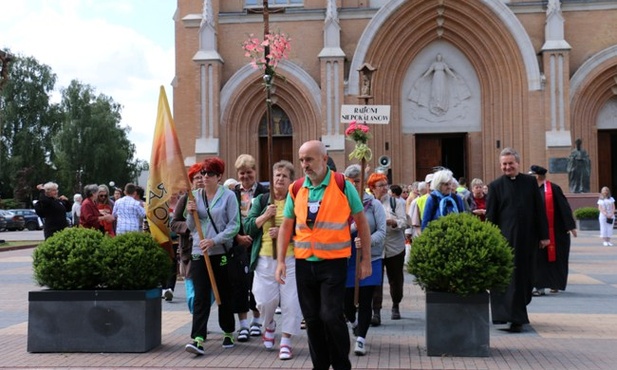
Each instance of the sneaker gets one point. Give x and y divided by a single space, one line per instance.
354 330
278 311
255 330
243 335
303 324
605 244
610 244
168 294
359 349
228 341
195 348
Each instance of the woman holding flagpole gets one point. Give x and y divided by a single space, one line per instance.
219 220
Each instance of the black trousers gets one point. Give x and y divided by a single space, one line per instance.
203 296
364 308
321 292
393 267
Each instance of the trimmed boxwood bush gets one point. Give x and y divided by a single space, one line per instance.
85 259
136 261
587 213
460 254
70 259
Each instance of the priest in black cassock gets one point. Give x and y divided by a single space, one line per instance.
552 262
514 204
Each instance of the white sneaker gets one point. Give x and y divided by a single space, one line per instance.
605 244
610 244
359 349
278 311
168 294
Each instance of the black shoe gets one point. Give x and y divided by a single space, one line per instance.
228 341
515 328
354 329
396 315
376 320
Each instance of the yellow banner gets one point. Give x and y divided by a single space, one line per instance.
167 173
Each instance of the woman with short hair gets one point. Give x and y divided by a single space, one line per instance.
219 220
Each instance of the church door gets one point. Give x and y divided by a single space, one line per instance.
446 150
282 140
607 160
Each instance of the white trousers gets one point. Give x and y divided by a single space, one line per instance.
268 293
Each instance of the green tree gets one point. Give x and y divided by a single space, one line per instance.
91 147
28 121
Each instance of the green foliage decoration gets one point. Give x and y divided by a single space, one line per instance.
70 259
587 213
136 262
85 259
460 254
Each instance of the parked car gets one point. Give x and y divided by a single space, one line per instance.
33 222
2 223
13 221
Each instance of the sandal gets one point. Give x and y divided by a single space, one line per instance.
285 352
243 334
268 338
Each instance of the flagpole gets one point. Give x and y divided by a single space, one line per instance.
167 176
200 232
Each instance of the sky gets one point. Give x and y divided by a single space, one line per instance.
123 49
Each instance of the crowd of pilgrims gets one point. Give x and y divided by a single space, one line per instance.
239 212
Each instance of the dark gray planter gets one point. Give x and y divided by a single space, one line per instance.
592 224
94 320
457 325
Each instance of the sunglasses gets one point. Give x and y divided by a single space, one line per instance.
102 195
209 173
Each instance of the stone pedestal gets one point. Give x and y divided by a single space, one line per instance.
457 325
94 320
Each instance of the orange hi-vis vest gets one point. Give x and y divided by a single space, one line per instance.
330 237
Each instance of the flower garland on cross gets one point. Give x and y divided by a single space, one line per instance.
266 54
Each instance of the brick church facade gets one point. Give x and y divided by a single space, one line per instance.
463 80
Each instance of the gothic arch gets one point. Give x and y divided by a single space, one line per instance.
500 9
243 105
591 87
483 32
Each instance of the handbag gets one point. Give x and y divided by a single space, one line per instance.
237 266
609 220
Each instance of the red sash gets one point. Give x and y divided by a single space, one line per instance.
550 215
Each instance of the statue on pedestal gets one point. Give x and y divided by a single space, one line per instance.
579 169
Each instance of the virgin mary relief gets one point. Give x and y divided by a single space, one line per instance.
439 90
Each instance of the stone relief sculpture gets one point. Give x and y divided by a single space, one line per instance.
439 88
579 169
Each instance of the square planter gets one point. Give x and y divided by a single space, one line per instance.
457 325
592 224
94 320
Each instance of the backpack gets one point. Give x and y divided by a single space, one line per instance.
444 206
338 177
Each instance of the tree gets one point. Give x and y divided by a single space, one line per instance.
91 147
28 120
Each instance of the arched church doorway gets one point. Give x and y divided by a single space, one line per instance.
446 150
607 160
282 140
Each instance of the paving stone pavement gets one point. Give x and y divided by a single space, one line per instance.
575 329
